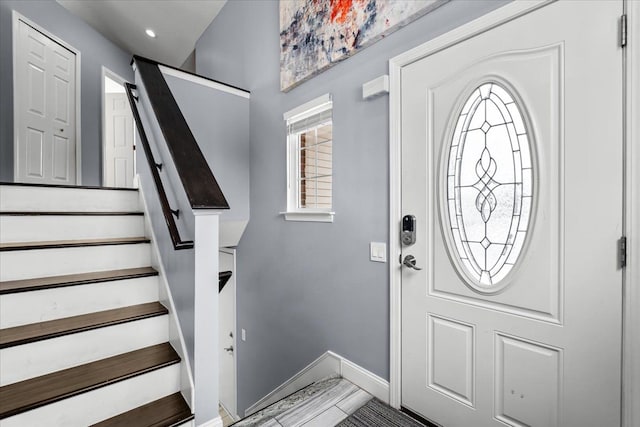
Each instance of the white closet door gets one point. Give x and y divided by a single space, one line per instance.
45 99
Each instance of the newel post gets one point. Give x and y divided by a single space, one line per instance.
206 317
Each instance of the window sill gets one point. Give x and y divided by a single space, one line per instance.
309 216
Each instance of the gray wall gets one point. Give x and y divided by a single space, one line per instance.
95 52
305 288
219 122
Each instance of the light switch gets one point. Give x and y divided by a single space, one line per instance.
378 251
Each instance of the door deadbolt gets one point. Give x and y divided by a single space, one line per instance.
408 233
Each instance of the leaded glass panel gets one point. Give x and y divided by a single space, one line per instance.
489 185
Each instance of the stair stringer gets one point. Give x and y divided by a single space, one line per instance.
176 338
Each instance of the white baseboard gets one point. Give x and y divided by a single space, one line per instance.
366 380
329 363
176 338
216 422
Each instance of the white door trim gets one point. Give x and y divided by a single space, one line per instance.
631 325
16 18
631 338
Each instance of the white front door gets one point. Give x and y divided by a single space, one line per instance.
119 141
512 167
45 115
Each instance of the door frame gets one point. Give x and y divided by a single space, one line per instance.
16 18
106 72
631 296
631 291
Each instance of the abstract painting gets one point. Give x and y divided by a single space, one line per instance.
315 34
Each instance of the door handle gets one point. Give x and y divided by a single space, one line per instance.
410 261
229 349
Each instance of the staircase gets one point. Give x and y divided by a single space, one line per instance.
84 339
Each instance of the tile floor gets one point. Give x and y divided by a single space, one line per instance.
322 404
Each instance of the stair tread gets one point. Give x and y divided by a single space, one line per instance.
55 328
33 393
73 187
69 213
16 246
168 411
39 283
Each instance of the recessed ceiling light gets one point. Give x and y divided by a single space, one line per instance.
150 33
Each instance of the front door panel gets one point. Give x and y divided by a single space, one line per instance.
511 163
535 78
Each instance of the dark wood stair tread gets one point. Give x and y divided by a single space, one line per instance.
66 213
19 246
56 328
166 412
39 283
85 187
33 393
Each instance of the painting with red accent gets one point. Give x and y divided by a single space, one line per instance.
315 34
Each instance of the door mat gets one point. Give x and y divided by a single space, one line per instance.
374 413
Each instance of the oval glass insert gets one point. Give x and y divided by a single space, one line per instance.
489 185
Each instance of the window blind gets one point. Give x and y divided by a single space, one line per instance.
297 126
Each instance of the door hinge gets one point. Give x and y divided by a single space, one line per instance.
623 30
622 251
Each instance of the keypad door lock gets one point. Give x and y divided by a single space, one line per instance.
408 233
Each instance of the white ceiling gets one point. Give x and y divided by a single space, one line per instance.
178 24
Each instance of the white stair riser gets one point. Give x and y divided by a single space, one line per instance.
43 199
56 303
43 357
102 403
39 228
28 264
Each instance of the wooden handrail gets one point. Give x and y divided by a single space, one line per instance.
178 243
200 186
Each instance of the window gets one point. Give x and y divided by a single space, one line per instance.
310 161
490 185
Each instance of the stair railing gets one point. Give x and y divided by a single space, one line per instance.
190 202
200 186
168 213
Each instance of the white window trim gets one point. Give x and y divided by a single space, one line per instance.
293 212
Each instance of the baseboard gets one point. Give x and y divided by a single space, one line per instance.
176 338
329 363
233 417
216 422
366 380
